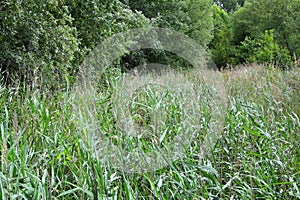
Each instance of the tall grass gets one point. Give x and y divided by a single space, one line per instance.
44 155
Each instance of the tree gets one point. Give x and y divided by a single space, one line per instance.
49 39
257 16
221 44
264 49
230 5
191 17
96 20
36 38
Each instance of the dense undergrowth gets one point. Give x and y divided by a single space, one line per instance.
43 153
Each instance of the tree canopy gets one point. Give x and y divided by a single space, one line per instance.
230 5
257 16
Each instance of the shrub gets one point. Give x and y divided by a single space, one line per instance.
221 44
264 50
192 18
44 42
37 38
96 20
256 16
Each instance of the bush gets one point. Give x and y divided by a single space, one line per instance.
44 42
256 16
37 38
264 50
221 44
192 18
96 20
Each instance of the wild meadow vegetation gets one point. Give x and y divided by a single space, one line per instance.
46 149
44 156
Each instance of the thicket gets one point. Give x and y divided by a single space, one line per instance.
273 28
43 43
37 38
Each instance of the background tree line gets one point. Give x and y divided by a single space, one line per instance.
50 39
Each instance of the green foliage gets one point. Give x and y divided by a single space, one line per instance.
45 41
221 44
258 16
230 5
264 50
37 39
97 19
191 17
